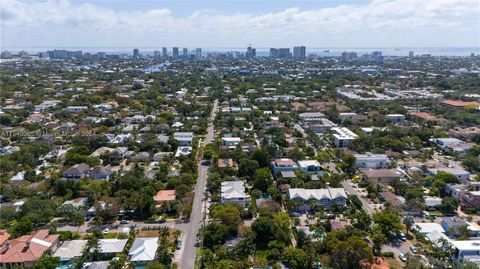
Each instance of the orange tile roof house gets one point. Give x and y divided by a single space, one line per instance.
27 249
4 236
459 104
225 163
425 116
164 196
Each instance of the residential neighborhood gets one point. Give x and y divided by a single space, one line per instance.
228 160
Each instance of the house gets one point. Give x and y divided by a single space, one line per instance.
76 109
425 228
143 156
457 172
225 163
425 116
143 250
181 151
284 164
4 236
353 117
96 265
35 117
454 104
342 137
382 176
115 153
438 239
455 190
70 249
77 171
287 174
20 176
452 224
466 250
320 126
164 196
25 250
233 192
432 202
470 199
183 138
445 142
454 145
323 197
160 156
46 105
338 224
137 119
309 166
311 116
396 202
231 141
395 118
77 202
109 248
464 133
371 161
101 172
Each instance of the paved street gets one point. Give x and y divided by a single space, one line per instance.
398 247
187 260
347 185
301 130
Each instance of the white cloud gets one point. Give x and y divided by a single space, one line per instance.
357 22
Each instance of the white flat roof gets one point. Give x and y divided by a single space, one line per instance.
70 249
426 228
306 163
343 133
473 245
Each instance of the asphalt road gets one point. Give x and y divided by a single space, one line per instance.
351 190
187 257
301 130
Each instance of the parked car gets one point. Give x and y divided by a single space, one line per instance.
179 244
414 249
402 257
402 236
123 221
106 231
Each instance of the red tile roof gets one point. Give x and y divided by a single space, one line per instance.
456 103
4 235
165 195
28 248
222 163
424 116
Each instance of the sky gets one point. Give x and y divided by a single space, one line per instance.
237 23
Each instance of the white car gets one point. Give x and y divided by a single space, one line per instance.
402 236
414 249
402 257
106 231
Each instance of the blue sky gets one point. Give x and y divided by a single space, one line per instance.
235 23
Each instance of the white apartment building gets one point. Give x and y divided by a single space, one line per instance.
371 161
342 137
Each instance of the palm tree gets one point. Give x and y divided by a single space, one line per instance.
260 259
408 221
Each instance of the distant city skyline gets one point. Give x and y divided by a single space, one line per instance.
233 23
